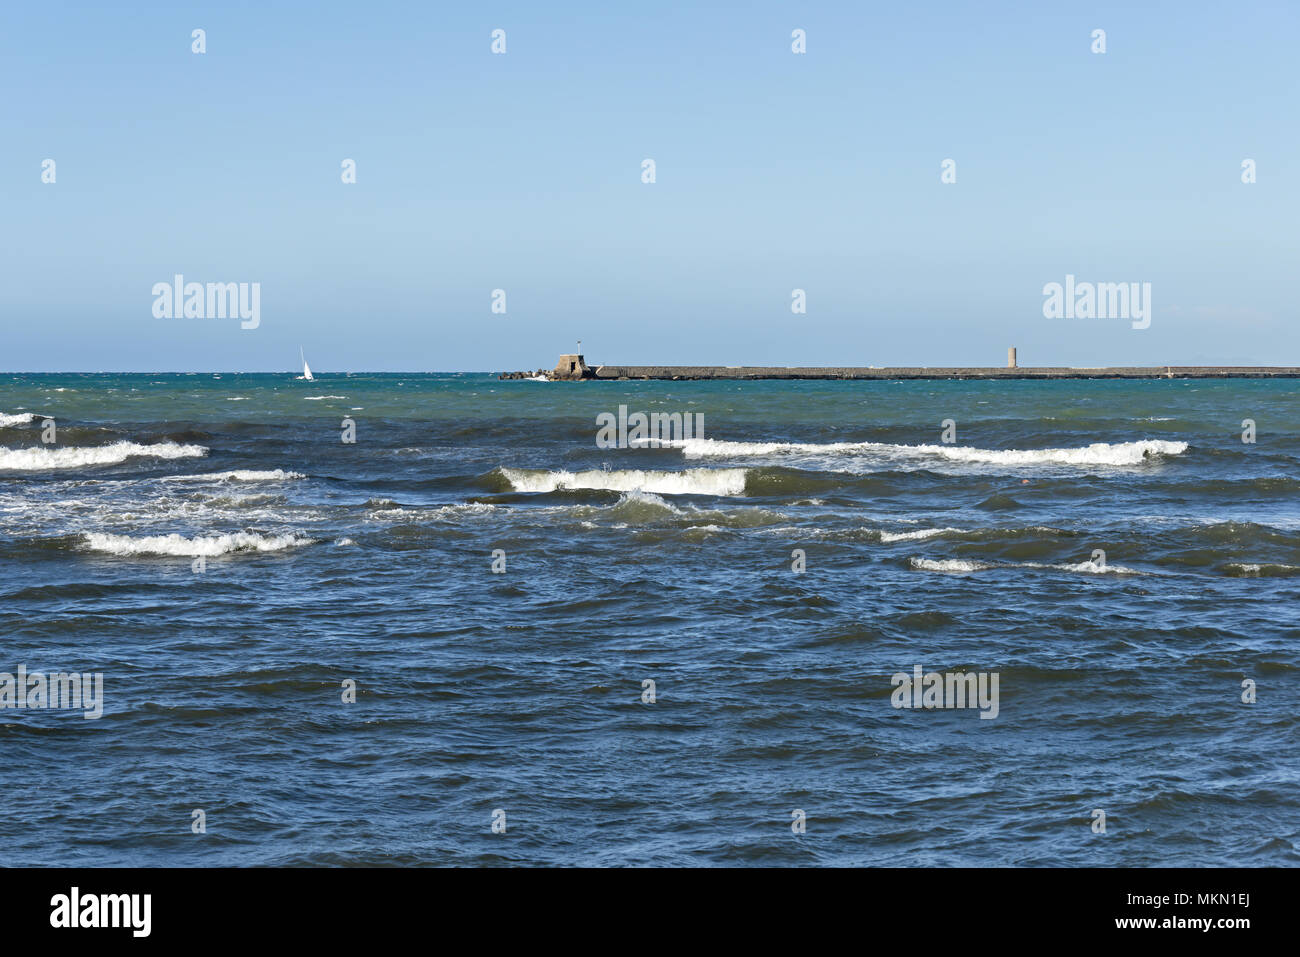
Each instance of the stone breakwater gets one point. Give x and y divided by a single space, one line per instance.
577 371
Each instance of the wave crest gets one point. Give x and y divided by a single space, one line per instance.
729 482
238 475
71 457
920 533
206 546
947 565
19 418
962 565
1098 453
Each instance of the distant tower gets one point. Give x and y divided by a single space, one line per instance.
1011 358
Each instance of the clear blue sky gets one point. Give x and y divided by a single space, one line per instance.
523 172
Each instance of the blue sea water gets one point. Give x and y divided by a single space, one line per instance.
521 691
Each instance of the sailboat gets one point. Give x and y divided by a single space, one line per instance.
306 369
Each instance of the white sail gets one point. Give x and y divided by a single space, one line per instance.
306 369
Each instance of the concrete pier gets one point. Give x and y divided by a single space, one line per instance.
944 372
574 367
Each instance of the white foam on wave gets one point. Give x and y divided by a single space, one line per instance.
701 531
924 533
646 505
68 457
1089 568
386 510
18 418
639 496
1247 569
317 398
237 475
920 533
1099 453
947 565
206 546
640 508
462 508
687 482
713 448
961 565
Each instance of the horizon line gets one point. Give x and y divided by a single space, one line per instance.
296 374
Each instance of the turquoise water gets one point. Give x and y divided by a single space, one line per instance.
1120 683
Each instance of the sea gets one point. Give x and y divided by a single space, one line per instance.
426 619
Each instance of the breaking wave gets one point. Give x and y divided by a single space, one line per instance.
20 418
948 565
1099 453
237 475
918 534
206 546
386 510
688 482
1090 568
962 565
41 457
646 508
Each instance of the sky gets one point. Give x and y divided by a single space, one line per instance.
523 171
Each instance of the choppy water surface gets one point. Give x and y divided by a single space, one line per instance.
1120 688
